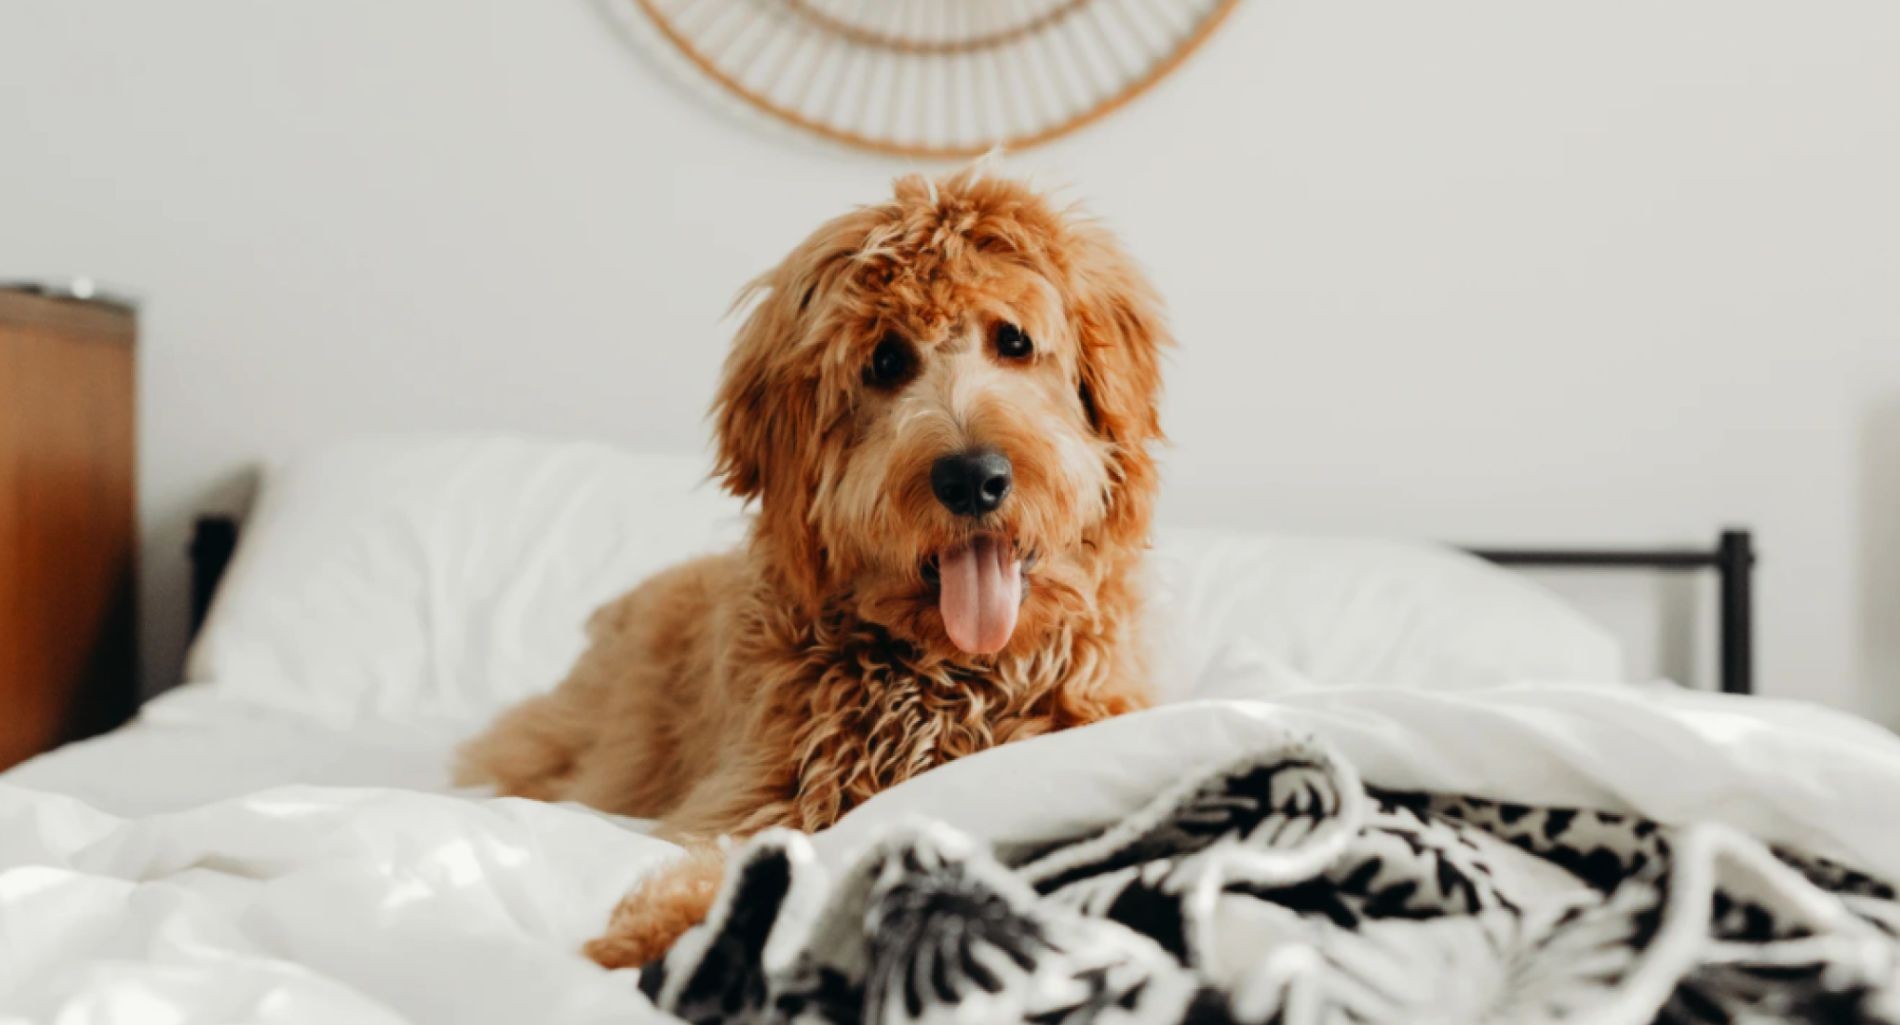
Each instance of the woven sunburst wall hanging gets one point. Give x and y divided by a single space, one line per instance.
936 78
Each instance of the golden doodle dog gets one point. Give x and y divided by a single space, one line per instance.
943 406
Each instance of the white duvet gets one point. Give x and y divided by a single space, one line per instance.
201 899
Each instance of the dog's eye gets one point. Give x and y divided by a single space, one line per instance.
1012 343
890 363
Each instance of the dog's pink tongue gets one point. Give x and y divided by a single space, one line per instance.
982 587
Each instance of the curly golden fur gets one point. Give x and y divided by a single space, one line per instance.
788 681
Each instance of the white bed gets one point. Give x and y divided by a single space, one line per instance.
278 840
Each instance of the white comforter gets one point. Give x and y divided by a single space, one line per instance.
401 902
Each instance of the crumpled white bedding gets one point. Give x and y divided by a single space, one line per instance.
388 903
398 904
192 746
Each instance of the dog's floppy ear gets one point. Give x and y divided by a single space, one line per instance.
765 422
769 418
1121 330
757 410
769 393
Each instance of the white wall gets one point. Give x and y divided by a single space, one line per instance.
1618 271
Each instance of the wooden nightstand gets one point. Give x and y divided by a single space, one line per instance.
68 538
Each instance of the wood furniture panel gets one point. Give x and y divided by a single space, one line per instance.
67 531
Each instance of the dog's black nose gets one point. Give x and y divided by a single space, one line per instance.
971 483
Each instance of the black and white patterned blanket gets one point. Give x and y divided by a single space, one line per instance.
1282 890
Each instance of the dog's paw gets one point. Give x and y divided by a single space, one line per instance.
636 949
658 911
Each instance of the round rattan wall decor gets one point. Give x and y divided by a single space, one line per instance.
936 78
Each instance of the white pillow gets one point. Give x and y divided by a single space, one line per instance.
441 579
435 580
1248 615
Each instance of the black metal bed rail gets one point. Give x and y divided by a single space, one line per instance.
1732 559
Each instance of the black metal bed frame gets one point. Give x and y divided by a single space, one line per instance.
1732 558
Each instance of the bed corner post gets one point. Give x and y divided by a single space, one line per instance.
1735 561
213 539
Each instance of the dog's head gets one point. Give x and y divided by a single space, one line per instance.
944 405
